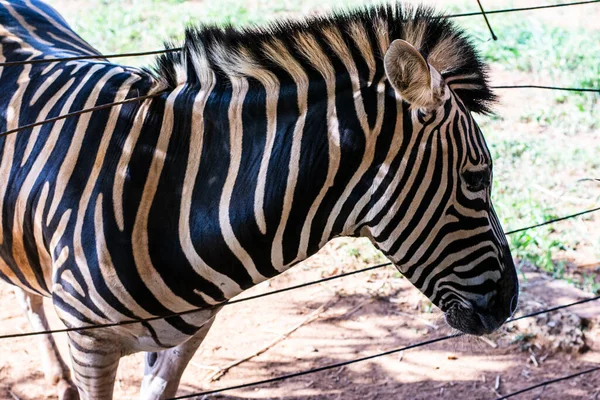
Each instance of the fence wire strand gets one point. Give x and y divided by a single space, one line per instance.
552 221
519 9
549 382
101 57
487 22
76 113
569 89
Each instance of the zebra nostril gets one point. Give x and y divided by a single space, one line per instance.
151 358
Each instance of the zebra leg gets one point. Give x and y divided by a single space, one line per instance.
163 370
55 370
95 361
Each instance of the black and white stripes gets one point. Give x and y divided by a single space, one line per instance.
261 145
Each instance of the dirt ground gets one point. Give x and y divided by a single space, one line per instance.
350 318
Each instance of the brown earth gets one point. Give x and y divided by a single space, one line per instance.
364 314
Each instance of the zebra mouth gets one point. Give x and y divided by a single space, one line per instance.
469 321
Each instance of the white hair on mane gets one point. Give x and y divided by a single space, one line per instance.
364 34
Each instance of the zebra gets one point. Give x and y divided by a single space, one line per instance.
251 150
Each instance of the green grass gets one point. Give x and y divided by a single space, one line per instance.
543 142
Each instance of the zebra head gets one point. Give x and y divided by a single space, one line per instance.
439 227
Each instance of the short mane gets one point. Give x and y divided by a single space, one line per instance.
229 51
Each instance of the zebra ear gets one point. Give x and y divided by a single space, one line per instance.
415 81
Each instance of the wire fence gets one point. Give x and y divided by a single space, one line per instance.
549 382
320 281
547 88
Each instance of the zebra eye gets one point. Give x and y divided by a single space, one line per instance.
477 180
424 115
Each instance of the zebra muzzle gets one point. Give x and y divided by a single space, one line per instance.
489 312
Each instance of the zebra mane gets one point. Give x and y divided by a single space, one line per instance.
227 52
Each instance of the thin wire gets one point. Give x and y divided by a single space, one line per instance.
151 52
486 21
548 382
344 363
156 318
75 113
309 283
509 10
89 57
546 87
551 221
551 309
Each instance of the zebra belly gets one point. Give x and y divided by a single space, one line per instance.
162 336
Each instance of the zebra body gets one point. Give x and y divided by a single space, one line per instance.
256 148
